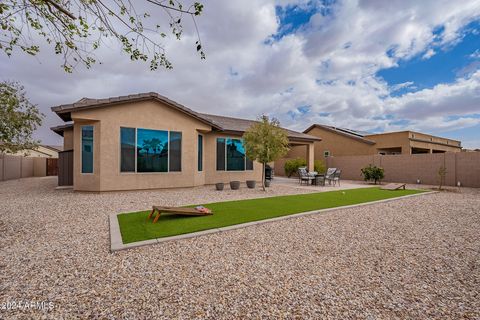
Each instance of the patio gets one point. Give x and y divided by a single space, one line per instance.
411 258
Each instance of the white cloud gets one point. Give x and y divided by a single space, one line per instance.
329 65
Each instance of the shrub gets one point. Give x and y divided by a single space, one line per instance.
291 166
319 166
373 173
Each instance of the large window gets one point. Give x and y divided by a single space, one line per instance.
152 150
127 149
200 153
87 149
235 155
175 162
146 150
231 155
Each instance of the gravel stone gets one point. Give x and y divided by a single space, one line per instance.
412 258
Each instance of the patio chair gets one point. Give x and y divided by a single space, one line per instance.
304 175
198 211
329 175
336 177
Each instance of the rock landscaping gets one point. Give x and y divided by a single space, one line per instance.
411 258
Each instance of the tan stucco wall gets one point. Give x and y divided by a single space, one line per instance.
147 115
407 140
390 140
337 144
68 139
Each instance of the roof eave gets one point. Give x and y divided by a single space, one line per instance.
64 111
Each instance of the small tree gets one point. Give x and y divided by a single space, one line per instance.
373 173
442 172
265 142
18 119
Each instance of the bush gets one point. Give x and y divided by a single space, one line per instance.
373 173
319 166
291 166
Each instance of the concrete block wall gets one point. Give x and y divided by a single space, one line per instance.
463 167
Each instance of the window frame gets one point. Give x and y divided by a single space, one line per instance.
81 149
120 151
326 153
200 156
153 172
226 166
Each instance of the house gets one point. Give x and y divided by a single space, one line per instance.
42 151
346 142
147 141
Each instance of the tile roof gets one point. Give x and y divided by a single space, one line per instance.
241 125
219 123
353 134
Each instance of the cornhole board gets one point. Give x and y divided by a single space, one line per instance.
393 186
175 210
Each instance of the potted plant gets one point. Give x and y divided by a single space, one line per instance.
251 184
234 185
219 186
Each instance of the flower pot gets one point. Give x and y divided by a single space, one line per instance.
267 183
251 184
219 186
234 185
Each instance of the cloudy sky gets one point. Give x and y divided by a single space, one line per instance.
366 65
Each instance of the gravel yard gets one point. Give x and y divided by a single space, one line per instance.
411 258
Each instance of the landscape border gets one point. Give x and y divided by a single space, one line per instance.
116 243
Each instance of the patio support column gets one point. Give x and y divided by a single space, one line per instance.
310 156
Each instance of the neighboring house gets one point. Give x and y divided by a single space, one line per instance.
345 142
147 141
42 151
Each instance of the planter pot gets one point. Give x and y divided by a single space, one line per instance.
234 185
267 183
219 186
251 184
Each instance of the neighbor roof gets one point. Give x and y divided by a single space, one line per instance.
353 134
54 148
220 123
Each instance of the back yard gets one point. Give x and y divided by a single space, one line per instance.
410 258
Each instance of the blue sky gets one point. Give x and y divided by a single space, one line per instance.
439 63
367 65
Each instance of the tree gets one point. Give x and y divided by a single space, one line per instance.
76 28
373 173
265 142
442 172
18 119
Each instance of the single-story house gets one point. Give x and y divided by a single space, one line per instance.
42 151
347 142
147 141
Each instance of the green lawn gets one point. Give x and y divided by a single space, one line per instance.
133 226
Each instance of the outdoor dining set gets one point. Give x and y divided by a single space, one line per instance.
332 176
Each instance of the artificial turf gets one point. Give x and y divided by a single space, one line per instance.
134 227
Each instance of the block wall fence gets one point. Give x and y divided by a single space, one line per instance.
463 167
16 167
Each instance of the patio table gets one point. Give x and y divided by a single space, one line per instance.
319 180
